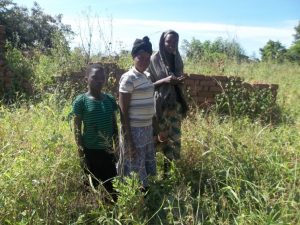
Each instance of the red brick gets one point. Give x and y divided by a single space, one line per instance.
202 88
210 100
274 86
220 78
247 86
261 86
200 99
189 82
217 89
208 83
208 78
193 91
196 76
205 94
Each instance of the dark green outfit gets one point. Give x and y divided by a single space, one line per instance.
98 118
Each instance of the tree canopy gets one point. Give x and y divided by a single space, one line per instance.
275 51
27 28
197 50
297 35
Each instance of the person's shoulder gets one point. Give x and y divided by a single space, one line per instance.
155 56
110 97
79 97
112 100
129 75
147 74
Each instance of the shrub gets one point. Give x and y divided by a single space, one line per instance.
238 99
22 71
59 61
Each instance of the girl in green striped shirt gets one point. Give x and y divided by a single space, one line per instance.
96 129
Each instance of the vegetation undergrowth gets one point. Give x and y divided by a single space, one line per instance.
232 171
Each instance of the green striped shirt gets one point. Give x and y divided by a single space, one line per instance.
97 118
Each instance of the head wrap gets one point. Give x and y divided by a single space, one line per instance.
162 51
141 44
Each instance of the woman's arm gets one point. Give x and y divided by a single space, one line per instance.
115 134
170 80
124 101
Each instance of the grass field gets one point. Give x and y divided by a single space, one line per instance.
232 171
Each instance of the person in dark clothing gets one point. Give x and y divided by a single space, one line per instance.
166 72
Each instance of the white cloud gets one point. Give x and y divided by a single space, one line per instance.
251 38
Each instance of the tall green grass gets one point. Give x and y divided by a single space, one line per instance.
232 171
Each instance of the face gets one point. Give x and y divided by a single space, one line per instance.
96 79
142 61
171 43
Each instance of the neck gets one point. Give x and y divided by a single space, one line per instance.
95 93
139 70
169 56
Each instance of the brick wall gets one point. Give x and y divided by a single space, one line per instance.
201 89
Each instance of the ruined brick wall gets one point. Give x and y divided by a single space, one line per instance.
203 89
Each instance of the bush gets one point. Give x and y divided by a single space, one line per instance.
238 99
59 61
22 70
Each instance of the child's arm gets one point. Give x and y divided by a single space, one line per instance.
78 135
115 131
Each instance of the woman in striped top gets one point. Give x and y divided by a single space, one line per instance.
137 109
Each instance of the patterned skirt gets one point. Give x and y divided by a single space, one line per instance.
144 163
170 128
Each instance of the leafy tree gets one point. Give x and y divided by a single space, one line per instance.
194 49
30 28
297 35
273 51
207 50
293 53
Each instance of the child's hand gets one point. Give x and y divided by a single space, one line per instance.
162 137
82 163
81 157
80 151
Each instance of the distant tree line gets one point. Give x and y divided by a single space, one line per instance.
275 51
213 50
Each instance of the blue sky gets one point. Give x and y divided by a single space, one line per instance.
250 22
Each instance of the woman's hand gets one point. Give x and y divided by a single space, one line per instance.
131 151
174 80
